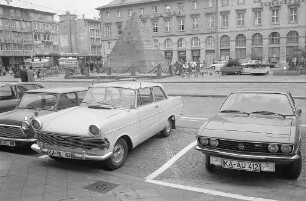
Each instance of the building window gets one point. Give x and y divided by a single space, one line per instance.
293 37
257 17
274 38
180 6
195 23
211 21
241 40
257 39
119 13
275 16
167 26
224 20
225 41
130 12
155 27
181 24
210 42
195 42
195 5
1 11
156 43
209 3
141 11
240 2
119 27
240 19
168 43
181 43
108 30
12 12
37 37
107 15
293 16
154 9
224 3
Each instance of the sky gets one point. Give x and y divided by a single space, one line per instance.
79 7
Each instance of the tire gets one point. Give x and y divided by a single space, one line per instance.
293 170
167 130
120 153
209 167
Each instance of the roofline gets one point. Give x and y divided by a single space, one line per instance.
126 4
264 92
29 9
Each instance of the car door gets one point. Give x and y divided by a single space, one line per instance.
8 98
161 104
148 114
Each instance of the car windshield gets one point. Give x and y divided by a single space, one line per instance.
38 101
257 103
110 97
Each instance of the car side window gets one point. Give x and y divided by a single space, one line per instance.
159 94
67 100
7 93
81 95
145 96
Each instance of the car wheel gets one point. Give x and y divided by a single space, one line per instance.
209 167
167 130
119 155
293 170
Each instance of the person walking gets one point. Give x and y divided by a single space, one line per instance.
23 74
31 75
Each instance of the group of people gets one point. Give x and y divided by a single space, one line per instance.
27 75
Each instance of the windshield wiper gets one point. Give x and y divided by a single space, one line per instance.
234 111
269 113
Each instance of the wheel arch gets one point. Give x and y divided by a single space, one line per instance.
128 141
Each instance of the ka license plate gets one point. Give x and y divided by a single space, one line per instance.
8 143
61 154
241 165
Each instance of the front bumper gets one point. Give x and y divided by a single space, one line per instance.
81 156
22 140
256 158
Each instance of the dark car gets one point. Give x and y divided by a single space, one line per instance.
15 127
10 93
254 131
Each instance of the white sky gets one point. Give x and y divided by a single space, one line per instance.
79 7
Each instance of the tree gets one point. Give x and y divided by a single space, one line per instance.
297 59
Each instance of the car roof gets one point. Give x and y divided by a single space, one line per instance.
21 83
127 84
57 90
261 92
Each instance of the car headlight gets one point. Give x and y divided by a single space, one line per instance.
25 125
203 141
286 148
36 124
273 148
94 130
213 142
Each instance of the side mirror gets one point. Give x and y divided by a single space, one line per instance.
299 111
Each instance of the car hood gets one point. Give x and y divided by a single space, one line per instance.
18 115
76 120
253 128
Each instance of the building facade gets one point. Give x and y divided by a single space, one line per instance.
26 33
207 30
80 37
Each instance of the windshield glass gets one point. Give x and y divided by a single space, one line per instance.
39 101
258 103
110 96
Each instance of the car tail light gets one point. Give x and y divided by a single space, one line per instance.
203 141
273 148
286 148
213 142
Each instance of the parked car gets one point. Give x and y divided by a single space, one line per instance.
254 131
113 119
15 127
231 70
217 66
10 93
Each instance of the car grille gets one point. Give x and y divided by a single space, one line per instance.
10 131
243 146
71 141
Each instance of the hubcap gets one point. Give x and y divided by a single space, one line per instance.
118 153
168 126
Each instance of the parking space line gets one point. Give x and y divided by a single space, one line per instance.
194 118
207 191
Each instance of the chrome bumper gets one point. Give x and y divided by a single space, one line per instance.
82 156
19 140
246 156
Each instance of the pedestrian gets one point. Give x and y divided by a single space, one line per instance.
23 74
31 75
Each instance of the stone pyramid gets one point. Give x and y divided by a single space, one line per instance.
135 48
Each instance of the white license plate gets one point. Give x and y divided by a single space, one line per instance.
8 143
61 154
241 165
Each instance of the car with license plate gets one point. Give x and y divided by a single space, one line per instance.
254 131
113 118
11 93
15 125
